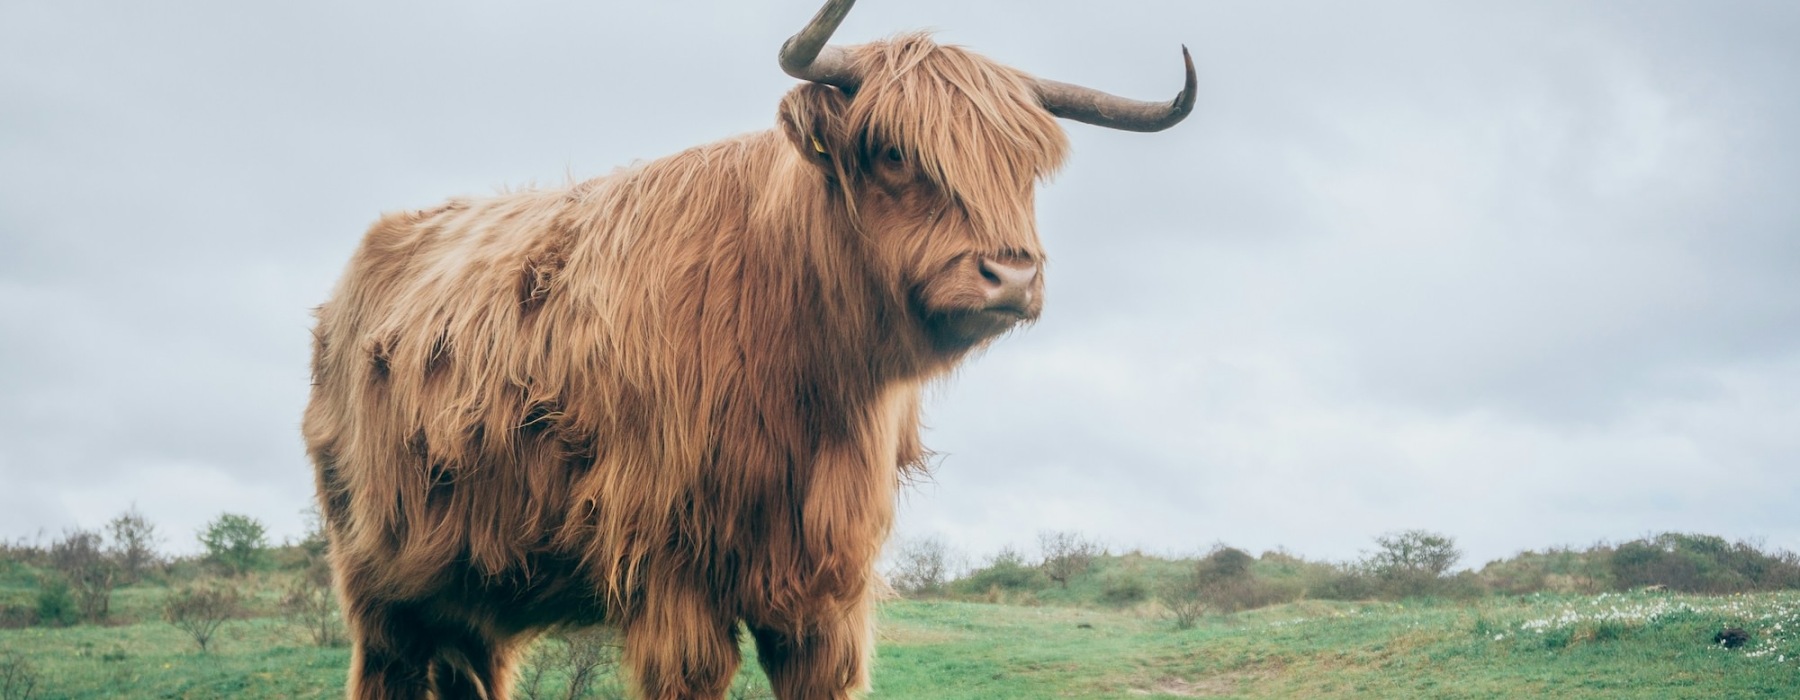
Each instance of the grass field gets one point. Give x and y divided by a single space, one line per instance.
1637 645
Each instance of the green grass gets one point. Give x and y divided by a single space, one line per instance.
1374 650
1612 646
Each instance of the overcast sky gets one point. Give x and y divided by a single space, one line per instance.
1525 274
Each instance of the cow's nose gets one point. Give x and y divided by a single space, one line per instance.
1009 284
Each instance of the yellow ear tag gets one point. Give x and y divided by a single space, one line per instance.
817 146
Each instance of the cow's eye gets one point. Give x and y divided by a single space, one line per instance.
894 155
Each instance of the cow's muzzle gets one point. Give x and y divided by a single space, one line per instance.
1011 287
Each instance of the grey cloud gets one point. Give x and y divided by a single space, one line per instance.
1520 272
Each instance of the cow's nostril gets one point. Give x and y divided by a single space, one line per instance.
1009 284
1008 274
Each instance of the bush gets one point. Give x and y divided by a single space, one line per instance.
18 677
1275 593
1006 572
22 553
1701 564
1404 564
1523 574
201 609
1463 586
234 542
90 572
56 606
1223 564
1067 555
1343 582
134 542
16 616
1555 570
922 567
1783 573
1182 598
309 604
1411 563
1122 589
586 659
1225 582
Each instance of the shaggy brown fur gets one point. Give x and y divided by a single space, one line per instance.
673 399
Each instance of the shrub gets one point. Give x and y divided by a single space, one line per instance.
1280 564
1223 564
586 659
309 604
1404 564
1269 592
56 606
1343 582
18 677
91 574
1253 592
234 542
1223 581
201 609
1006 572
1181 597
1463 586
1557 570
1523 574
1701 564
17 616
921 567
1411 563
23 553
134 542
1122 589
1067 555
1783 573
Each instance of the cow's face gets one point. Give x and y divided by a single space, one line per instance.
938 164
934 151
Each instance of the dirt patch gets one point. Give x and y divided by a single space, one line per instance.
1210 686
1225 682
917 635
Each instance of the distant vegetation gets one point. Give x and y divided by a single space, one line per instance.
1071 570
104 594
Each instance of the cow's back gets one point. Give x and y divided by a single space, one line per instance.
429 370
487 371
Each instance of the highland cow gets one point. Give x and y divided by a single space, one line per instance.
679 399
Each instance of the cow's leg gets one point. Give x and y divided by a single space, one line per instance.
827 661
450 680
472 667
680 647
391 654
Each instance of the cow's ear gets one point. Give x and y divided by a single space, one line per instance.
812 117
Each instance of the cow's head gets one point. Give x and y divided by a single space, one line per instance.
936 152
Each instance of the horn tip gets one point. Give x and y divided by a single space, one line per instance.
1184 102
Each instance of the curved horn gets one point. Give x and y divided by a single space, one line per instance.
806 56
1085 104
